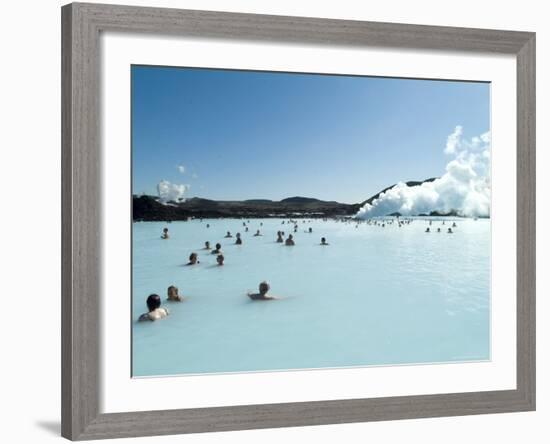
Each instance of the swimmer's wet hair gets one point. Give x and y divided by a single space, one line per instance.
192 255
265 285
153 302
172 287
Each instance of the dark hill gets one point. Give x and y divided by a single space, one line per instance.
147 208
300 200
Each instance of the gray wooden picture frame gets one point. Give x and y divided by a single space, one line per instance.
81 239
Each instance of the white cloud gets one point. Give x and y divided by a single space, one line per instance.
464 187
171 191
181 169
453 140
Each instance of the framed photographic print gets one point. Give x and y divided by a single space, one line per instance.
280 221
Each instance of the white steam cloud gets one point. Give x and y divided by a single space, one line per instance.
171 191
464 188
181 168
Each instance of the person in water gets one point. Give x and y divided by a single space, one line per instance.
280 237
207 225
245 228
428 230
228 234
155 312
173 294
263 288
449 231
207 245
439 230
193 259
218 249
323 241
220 259
454 224
258 233
310 230
238 241
164 234
289 241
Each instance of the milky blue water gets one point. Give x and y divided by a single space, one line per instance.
374 296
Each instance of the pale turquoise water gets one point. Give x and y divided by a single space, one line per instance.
375 296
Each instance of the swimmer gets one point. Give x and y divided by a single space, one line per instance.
449 231
439 230
454 224
228 234
290 241
164 234
323 241
156 312
246 229
295 228
427 230
280 237
220 259
258 233
310 230
207 225
173 294
193 259
239 241
218 249
207 245
262 294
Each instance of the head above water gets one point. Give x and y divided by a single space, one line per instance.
323 240
153 302
218 246
207 244
193 257
263 287
172 290
165 230
220 259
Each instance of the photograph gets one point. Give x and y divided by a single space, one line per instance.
286 221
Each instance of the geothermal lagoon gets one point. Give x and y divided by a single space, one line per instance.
374 296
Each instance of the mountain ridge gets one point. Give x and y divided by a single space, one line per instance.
148 208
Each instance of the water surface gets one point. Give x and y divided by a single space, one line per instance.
374 296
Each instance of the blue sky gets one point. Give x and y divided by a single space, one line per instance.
245 135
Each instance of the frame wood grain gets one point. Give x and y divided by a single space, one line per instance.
81 241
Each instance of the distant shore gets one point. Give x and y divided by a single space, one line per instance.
149 209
